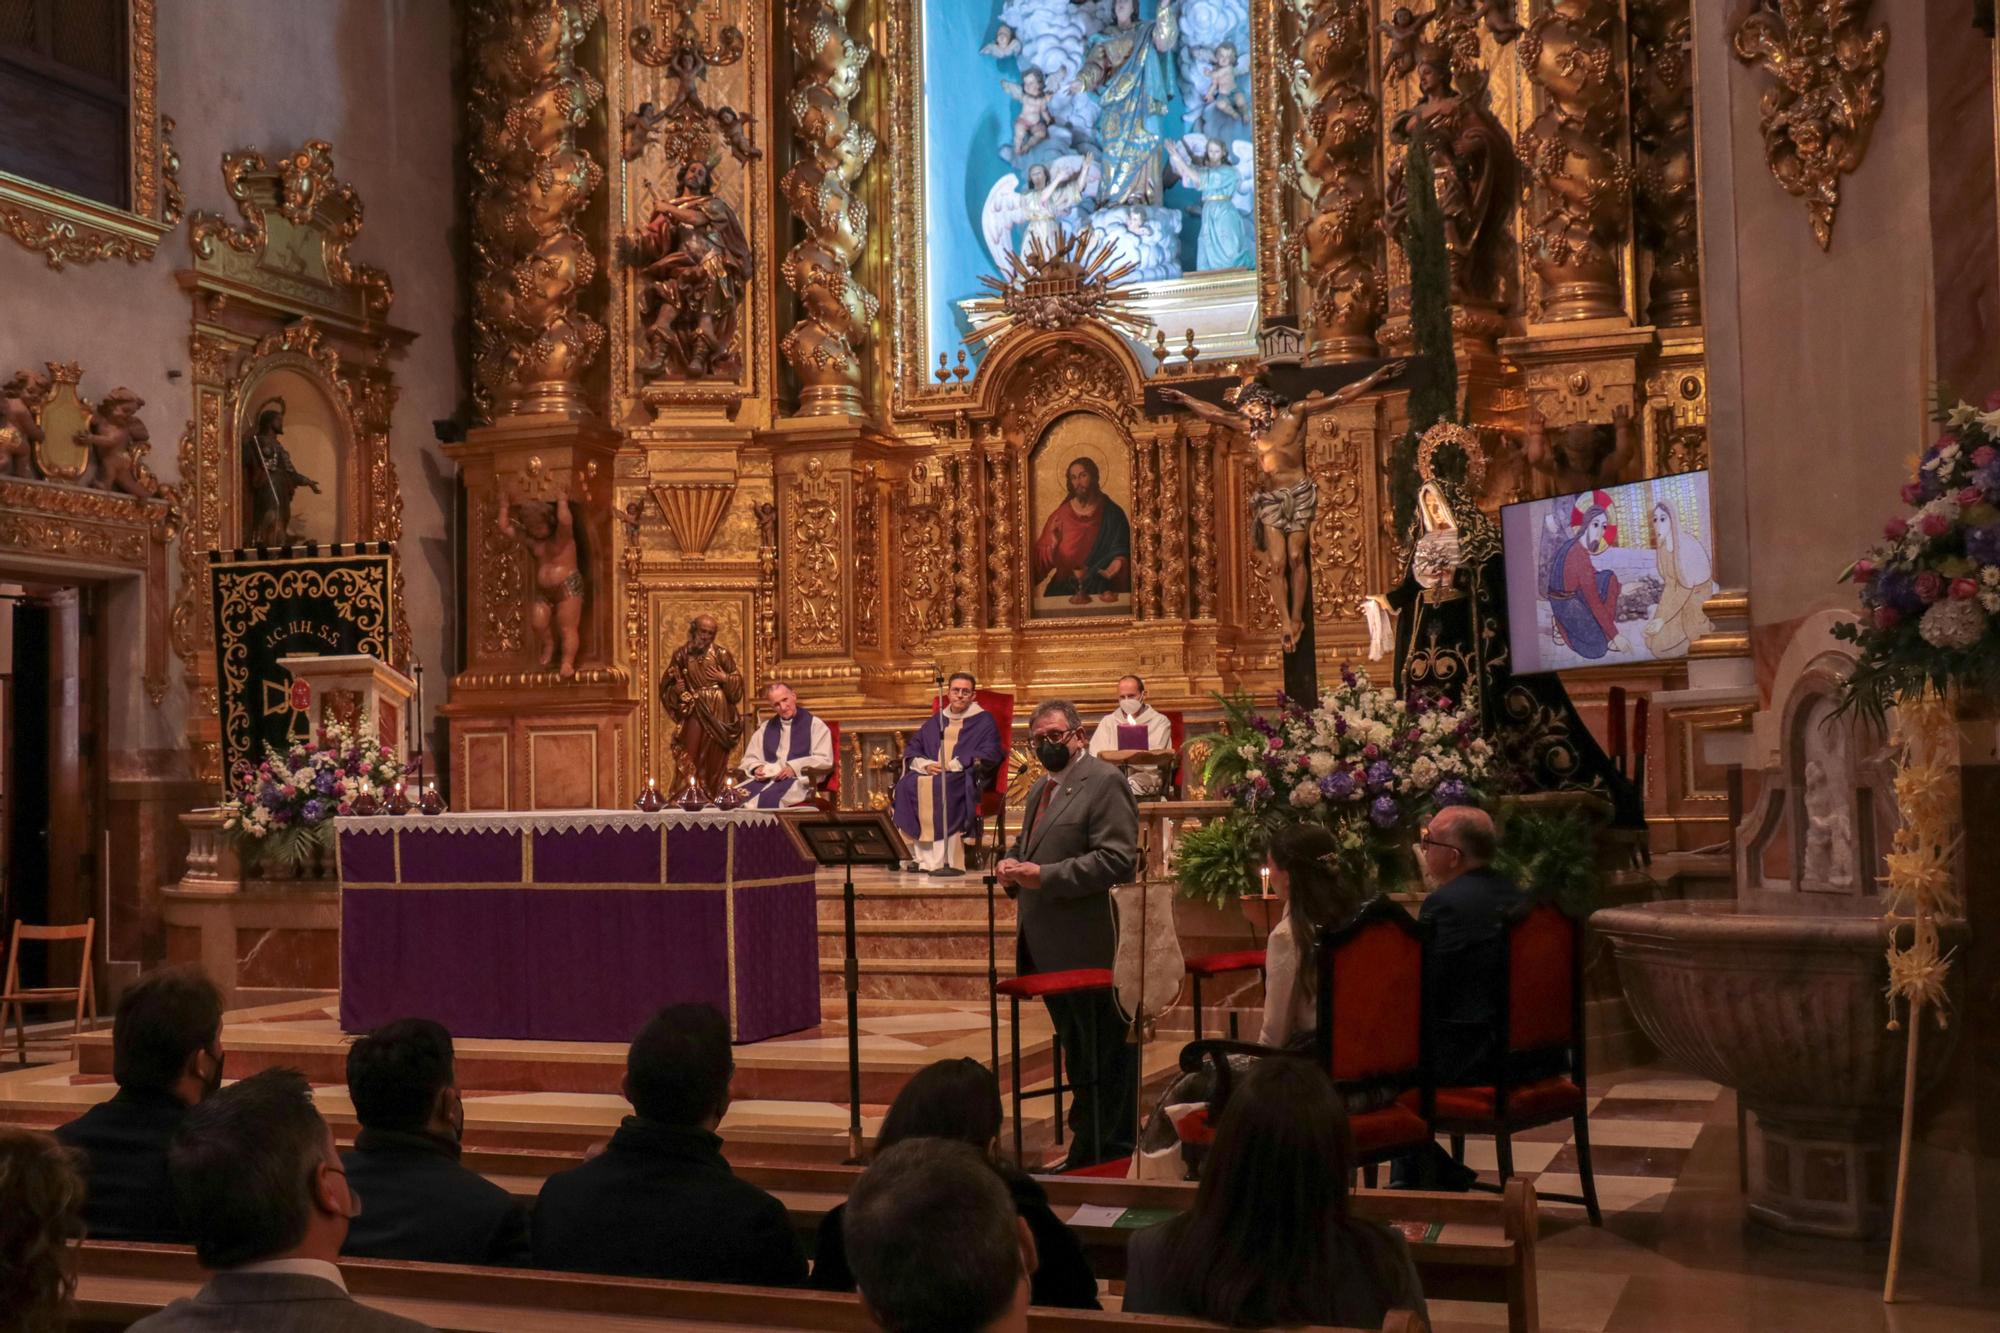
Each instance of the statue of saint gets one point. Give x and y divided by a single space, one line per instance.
273 477
1286 498
702 692
694 263
1472 173
1129 66
548 530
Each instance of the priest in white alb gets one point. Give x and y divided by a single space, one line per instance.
789 754
1134 725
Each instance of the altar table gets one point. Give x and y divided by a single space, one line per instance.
575 925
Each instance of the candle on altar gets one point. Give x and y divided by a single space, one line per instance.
1264 880
415 744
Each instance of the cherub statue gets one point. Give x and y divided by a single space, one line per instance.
1584 455
1225 112
734 126
1500 20
548 530
20 398
1032 125
1053 189
116 437
636 130
1405 31
1005 43
1286 498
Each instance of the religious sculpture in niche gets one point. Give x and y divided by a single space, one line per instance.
1472 175
547 528
21 400
702 691
117 441
693 260
1583 455
271 477
1286 498
1826 807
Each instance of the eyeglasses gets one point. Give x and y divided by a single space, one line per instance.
1424 839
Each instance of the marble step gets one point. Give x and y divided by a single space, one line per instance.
914 939
917 899
885 978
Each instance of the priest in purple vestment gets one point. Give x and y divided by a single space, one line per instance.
789 754
949 764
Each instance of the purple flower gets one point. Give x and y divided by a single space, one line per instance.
1347 675
1451 792
267 794
1383 812
313 812
1338 785
1380 773
324 782
1987 478
1340 725
1982 544
1897 588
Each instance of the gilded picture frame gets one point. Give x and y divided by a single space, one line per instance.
69 229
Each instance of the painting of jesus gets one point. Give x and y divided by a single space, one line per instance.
1080 563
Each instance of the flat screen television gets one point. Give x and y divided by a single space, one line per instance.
1608 577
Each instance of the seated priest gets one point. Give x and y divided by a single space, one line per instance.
1134 725
949 764
789 754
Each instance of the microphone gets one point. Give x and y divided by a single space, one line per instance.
1020 770
937 678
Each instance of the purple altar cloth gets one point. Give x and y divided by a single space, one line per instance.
575 925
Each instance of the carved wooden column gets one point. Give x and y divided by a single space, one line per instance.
1340 119
529 100
1663 143
824 345
1582 182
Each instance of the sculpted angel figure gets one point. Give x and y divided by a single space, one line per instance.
116 437
1226 239
20 398
1004 44
548 530
1286 499
1404 30
1224 112
1051 193
1031 126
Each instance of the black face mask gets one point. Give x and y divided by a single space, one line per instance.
1053 751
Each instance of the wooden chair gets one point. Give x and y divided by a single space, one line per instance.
1539 1025
13 996
1370 1028
1041 986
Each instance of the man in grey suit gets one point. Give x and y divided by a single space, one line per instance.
1079 837
263 1194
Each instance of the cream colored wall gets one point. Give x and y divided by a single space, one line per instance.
1820 363
373 77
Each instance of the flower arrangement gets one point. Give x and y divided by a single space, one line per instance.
280 813
1930 590
1367 765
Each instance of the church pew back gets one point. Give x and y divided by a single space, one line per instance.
121 1283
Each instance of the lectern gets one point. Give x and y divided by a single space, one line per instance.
357 691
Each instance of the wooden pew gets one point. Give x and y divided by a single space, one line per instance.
1483 1249
121 1283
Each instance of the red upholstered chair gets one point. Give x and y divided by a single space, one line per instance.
1212 965
1370 1028
827 794
1539 1026
993 801
1040 986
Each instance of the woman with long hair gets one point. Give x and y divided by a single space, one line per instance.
960 1100
1686 577
40 1218
1301 862
1270 1240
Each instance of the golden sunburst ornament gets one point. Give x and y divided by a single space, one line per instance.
1057 287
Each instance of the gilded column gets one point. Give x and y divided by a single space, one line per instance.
1335 170
1582 183
833 148
1663 143
530 99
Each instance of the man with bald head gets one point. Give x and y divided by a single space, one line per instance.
1466 910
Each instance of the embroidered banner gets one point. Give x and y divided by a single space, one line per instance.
271 604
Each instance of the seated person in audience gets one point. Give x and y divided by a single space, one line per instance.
1120 726
267 1203
1303 861
41 1216
421 1204
166 1055
788 755
660 1201
1270 1241
960 1100
1466 911
936 1243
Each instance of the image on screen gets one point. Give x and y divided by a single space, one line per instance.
1602 577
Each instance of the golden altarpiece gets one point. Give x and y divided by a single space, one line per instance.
855 498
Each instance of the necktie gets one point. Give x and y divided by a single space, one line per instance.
1042 806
